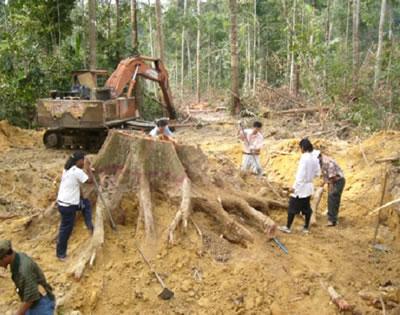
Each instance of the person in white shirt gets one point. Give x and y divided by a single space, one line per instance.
253 141
69 199
162 131
303 187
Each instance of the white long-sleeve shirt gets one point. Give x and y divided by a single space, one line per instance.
307 170
254 141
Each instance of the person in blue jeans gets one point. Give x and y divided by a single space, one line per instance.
69 201
27 277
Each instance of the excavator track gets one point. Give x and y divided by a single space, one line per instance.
85 139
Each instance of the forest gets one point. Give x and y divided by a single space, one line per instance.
339 53
267 182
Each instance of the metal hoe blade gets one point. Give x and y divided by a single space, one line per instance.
166 294
280 245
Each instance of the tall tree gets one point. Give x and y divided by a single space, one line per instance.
198 53
356 41
160 32
135 46
378 62
293 82
235 109
183 46
117 27
92 35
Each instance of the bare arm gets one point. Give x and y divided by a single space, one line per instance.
88 170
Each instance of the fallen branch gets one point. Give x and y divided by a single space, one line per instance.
296 111
337 299
285 97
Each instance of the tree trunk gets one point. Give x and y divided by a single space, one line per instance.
234 59
346 47
151 43
135 51
117 27
160 33
356 41
327 40
183 48
92 34
293 84
246 82
378 63
135 46
198 53
254 48
189 66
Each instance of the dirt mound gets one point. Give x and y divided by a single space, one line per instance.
11 136
207 273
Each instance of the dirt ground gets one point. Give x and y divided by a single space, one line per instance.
209 275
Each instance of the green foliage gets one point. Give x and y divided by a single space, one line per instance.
41 41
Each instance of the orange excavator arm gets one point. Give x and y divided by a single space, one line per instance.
127 72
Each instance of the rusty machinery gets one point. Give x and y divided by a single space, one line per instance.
80 118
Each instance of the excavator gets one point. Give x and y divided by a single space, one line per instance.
81 117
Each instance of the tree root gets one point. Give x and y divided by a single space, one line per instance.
92 245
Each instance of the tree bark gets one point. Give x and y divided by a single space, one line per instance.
378 63
117 27
92 34
235 109
293 84
183 47
160 33
135 45
198 53
356 41
254 48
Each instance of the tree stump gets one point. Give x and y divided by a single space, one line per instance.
133 164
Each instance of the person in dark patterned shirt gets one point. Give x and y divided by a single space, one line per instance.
28 279
332 175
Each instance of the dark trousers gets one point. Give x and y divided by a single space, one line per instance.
334 196
299 205
67 223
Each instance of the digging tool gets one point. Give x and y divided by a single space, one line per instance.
259 169
166 294
378 223
280 245
96 185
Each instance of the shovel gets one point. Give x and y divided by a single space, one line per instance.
166 294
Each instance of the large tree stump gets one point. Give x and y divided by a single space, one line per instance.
133 164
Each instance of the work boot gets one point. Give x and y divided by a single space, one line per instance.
284 229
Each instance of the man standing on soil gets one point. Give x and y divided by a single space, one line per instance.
28 278
253 141
69 199
162 131
332 175
303 187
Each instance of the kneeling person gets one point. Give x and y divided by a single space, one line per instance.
162 131
27 277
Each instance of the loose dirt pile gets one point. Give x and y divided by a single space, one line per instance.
210 274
